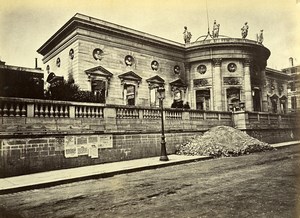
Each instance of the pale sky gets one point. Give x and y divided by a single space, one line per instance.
27 24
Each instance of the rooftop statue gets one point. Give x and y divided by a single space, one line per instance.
260 37
215 31
245 30
187 35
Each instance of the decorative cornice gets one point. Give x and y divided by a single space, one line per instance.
231 81
200 82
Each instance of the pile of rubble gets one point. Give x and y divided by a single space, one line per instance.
222 141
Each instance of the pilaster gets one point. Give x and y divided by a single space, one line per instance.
217 84
264 89
247 85
190 88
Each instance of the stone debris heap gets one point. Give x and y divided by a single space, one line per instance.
222 141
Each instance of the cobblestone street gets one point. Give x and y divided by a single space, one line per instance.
258 185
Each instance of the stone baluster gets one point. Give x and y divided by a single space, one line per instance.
18 111
11 110
63 111
55 111
5 110
36 110
51 112
60 111
88 111
68 111
42 110
84 111
23 110
98 112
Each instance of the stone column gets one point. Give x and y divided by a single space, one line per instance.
217 84
247 86
264 90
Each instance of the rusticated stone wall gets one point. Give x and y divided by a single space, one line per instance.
29 155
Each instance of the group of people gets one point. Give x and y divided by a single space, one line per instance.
215 33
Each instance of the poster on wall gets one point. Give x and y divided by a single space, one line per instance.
105 141
75 146
93 151
70 147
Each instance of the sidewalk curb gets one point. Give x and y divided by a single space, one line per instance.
98 176
285 144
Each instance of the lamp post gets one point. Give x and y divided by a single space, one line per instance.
163 150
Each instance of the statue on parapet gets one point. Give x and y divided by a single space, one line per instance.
187 35
215 31
260 37
245 30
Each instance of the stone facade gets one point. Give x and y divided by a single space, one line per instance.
120 64
293 87
277 90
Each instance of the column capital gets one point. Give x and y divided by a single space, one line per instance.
217 62
187 66
247 62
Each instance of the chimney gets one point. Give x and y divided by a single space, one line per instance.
291 62
36 63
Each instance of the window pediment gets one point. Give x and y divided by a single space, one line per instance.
99 72
178 84
155 81
130 76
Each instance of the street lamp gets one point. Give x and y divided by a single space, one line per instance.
163 151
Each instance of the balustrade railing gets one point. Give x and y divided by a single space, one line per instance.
210 115
151 114
127 113
89 111
13 109
51 110
173 114
21 107
196 115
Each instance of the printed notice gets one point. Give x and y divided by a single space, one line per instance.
105 141
93 151
86 145
82 149
70 147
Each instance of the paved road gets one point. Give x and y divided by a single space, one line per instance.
257 185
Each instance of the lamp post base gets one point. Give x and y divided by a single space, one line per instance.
163 158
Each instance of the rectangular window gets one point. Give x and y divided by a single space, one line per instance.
294 102
129 94
154 101
292 85
233 99
202 99
99 90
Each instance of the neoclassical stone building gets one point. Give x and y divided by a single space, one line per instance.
125 67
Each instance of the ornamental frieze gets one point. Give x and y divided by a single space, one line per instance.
231 81
200 82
